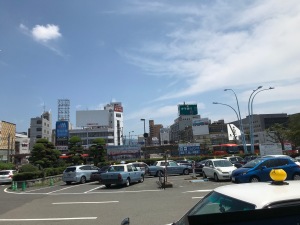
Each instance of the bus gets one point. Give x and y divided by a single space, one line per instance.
225 149
248 147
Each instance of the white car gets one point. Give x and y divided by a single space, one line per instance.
6 176
219 169
249 203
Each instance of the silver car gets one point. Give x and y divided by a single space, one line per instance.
78 174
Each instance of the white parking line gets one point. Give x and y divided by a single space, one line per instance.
196 197
197 191
101 186
70 203
51 219
60 189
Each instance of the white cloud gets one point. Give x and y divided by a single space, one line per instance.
46 33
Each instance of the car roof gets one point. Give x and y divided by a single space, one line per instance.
218 159
262 193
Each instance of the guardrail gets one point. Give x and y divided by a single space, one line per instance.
15 185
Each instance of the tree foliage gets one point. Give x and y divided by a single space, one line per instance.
294 129
98 151
44 154
277 133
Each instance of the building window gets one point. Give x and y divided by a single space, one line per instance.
38 129
118 115
38 122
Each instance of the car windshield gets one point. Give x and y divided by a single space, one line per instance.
4 172
222 163
216 203
70 169
253 163
116 169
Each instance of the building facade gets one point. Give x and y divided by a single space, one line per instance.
7 141
40 127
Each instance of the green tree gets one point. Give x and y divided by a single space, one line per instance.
294 129
75 151
98 151
44 154
277 133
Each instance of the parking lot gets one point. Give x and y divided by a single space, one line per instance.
145 203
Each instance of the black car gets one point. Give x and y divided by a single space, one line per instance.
199 165
95 176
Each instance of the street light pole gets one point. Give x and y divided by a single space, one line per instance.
240 119
251 116
144 131
230 107
129 138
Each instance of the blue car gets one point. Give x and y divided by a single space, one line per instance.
259 170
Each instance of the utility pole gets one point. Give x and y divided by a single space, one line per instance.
8 145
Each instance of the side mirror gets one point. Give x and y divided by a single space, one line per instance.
126 221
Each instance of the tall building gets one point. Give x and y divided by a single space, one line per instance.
7 141
40 127
154 132
106 124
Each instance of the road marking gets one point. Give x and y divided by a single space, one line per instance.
60 189
114 192
70 203
196 197
51 219
197 191
101 186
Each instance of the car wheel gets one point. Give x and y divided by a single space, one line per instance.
296 176
216 177
254 179
68 182
108 185
186 172
142 179
127 182
82 180
204 175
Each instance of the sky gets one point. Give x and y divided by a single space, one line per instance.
149 55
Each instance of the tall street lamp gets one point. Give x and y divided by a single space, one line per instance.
129 137
251 114
230 107
249 117
240 118
144 131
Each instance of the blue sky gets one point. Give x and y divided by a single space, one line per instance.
149 55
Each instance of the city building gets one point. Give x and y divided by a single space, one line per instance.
40 127
164 136
154 130
106 124
7 141
22 150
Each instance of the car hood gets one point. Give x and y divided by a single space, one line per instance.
241 170
226 169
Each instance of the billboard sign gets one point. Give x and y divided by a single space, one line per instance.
92 118
187 110
118 108
200 126
270 149
62 129
189 149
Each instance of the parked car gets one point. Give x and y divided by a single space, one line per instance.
252 203
142 166
287 156
185 162
219 169
199 166
172 168
6 176
248 158
122 174
78 174
237 161
95 176
259 169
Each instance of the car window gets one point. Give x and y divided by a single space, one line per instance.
222 163
129 168
116 169
172 164
4 172
85 167
70 169
281 162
